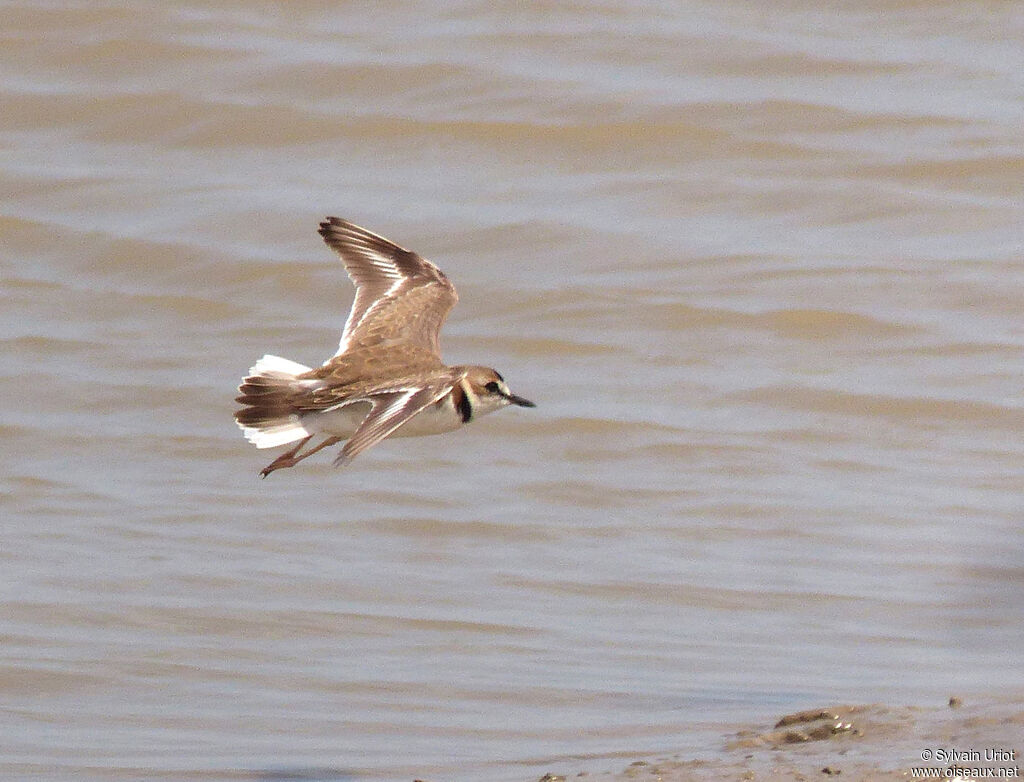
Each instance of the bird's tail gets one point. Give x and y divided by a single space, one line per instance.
268 418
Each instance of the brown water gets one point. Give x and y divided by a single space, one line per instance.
760 265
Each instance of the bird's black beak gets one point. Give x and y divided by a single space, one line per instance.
518 400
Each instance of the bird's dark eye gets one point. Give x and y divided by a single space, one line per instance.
493 387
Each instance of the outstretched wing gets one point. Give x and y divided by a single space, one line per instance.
389 411
400 296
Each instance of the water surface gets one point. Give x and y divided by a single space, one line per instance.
758 264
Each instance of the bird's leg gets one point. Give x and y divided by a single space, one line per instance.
287 459
290 458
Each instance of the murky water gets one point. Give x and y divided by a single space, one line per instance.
759 264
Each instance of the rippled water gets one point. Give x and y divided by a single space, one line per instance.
758 263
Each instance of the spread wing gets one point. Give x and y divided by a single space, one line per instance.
388 411
400 296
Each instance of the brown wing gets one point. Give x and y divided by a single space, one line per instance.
400 296
361 372
389 411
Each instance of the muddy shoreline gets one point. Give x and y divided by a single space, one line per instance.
855 743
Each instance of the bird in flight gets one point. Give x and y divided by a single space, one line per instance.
387 377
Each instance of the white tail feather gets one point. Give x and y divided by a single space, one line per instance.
277 434
277 429
275 366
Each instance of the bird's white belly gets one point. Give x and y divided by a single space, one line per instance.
437 418
341 422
